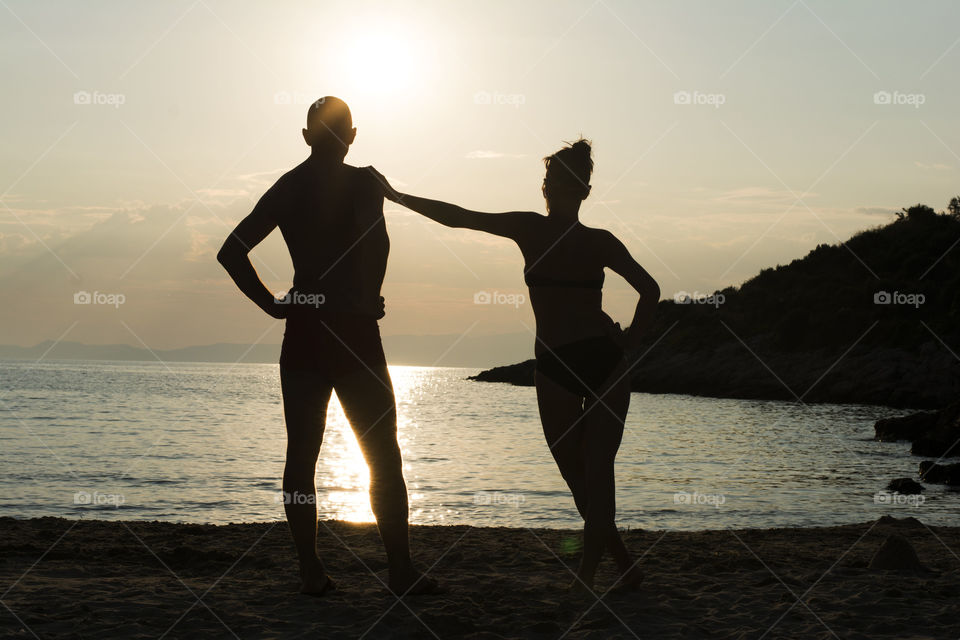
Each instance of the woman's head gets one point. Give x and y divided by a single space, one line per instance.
567 180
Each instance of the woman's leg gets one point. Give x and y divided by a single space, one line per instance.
604 420
561 413
564 427
305 399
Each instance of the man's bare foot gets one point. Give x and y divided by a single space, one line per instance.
317 585
415 585
315 581
579 589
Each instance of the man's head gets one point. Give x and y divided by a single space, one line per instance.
329 126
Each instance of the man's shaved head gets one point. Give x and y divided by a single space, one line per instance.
330 130
329 117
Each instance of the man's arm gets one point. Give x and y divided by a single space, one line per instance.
234 254
373 244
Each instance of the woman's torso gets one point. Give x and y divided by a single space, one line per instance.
564 270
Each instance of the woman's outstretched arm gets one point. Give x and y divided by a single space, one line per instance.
451 215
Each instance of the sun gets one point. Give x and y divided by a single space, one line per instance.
381 61
378 64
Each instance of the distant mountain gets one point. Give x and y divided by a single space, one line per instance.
222 352
875 319
440 350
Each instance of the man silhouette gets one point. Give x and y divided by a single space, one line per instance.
331 218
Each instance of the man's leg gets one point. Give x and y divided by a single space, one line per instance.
305 399
368 402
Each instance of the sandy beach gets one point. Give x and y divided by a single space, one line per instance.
98 579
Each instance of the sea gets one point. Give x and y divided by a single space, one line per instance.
204 443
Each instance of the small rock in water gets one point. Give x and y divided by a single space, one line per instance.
911 427
906 486
896 553
909 521
940 473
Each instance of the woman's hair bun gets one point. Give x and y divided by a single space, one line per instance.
569 169
582 145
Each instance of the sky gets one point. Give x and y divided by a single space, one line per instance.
728 137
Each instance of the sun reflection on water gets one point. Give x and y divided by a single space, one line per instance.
463 444
343 480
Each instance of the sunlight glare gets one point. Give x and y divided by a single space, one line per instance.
343 494
382 61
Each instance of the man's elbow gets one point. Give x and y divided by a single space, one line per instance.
227 256
651 292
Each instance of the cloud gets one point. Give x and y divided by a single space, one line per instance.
140 244
757 195
223 193
875 211
261 177
935 166
484 154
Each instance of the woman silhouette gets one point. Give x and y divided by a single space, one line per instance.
583 389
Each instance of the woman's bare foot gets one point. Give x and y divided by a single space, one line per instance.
416 584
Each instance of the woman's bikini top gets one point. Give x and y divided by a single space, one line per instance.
543 281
